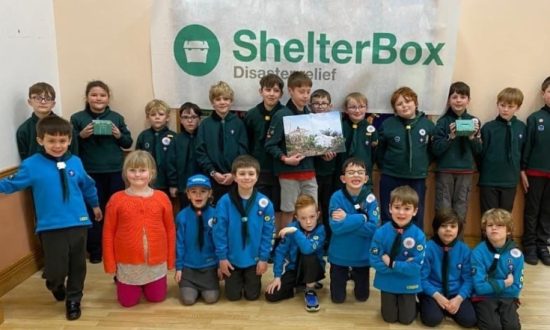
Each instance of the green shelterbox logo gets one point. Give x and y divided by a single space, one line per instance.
197 50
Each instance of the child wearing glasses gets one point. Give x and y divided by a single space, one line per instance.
354 216
182 162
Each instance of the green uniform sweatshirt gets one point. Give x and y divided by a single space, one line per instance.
158 143
535 154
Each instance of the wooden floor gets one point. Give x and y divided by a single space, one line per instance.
31 306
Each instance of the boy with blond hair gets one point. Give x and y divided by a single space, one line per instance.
158 140
503 139
221 138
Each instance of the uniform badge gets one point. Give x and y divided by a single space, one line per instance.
371 198
397 139
147 145
71 173
263 202
371 129
459 266
409 242
260 212
375 212
515 252
214 221
511 268
367 143
541 120
420 247
166 141
232 131
474 271
540 128
422 132
520 136
374 251
267 218
315 237
211 222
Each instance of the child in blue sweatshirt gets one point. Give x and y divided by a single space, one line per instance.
354 216
497 268
397 254
196 261
243 230
446 274
299 255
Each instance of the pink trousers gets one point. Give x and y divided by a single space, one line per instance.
129 295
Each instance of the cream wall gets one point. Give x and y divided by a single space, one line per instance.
501 43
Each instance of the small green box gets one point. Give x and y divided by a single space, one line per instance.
103 127
464 127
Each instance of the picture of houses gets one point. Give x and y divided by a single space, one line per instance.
314 134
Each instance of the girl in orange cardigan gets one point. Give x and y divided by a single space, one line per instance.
139 234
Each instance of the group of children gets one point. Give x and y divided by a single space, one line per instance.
226 225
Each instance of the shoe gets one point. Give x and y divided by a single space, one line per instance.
73 310
544 256
95 260
318 285
311 300
59 293
531 258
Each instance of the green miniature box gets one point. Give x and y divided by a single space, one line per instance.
103 127
464 127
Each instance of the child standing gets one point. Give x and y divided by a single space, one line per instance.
397 254
158 140
60 188
503 141
455 155
446 274
536 183
243 231
41 100
257 121
196 261
299 257
220 139
101 151
139 234
497 268
354 217
325 166
403 151
182 162
296 173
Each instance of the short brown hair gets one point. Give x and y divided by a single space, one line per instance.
405 195
53 125
139 159
353 161
221 88
459 87
545 84
407 93
499 217
271 80
510 95
444 216
356 96
243 161
320 93
155 106
304 201
299 79
42 88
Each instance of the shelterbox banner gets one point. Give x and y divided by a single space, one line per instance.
367 46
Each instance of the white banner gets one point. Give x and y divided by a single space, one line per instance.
367 46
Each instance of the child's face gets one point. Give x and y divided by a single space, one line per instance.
41 105
98 99
190 121
405 108
300 95
198 196
401 213
354 177
320 104
507 110
54 145
246 177
459 102
447 232
546 96
222 105
271 96
158 119
307 216
496 234
138 177
356 110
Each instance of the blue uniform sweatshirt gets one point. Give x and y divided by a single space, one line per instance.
286 253
404 277
509 262
351 237
459 272
188 253
228 235
42 175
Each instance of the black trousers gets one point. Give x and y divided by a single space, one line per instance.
309 271
398 307
494 197
339 276
497 314
432 314
106 184
536 229
243 279
65 258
